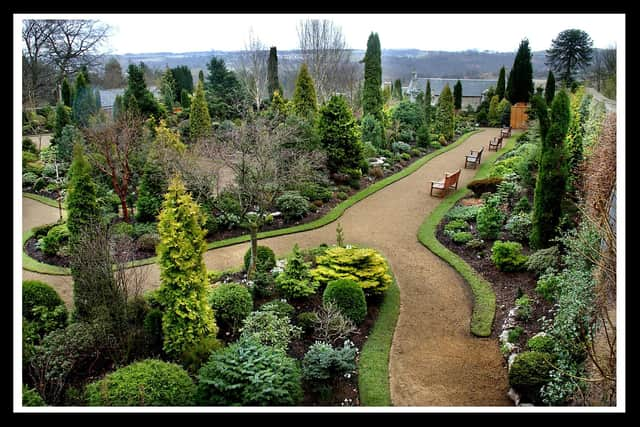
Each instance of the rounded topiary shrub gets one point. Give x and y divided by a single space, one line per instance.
542 343
529 372
248 373
30 397
147 383
507 256
231 303
292 205
38 294
265 261
349 297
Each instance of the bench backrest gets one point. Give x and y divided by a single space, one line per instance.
451 178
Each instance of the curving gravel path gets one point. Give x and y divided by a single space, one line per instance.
434 361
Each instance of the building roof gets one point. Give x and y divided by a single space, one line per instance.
108 96
470 87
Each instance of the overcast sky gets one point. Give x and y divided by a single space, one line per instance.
142 33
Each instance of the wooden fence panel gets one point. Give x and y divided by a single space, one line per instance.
519 115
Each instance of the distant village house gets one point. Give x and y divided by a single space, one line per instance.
473 90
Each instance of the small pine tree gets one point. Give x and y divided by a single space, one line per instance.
136 96
457 95
187 317
273 84
339 136
168 89
552 172
82 206
67 96
493 115
295 281
372 95
444 114
63 118
199 118
428 109
185 99
521 75
500 87
550 88
304 96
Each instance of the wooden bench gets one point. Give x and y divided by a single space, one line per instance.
473 158
505 132
450 181
495 143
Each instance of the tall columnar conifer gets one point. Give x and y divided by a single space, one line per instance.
372 95
552 173
199 118
82 206
457 95
66 93
304 96
444 114
187 317
521 75
273 83
428 109
550 88
501 85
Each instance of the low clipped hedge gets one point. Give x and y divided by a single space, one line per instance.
349 297
147 383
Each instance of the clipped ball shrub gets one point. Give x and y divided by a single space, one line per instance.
147 383
292 205
529 372
30 397
349 297
36 293
523 205
542 343
265 259
507 256
231 303
248 373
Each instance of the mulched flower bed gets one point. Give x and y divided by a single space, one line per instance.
506 286
345 390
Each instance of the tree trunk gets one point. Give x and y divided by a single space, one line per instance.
125 210
254 249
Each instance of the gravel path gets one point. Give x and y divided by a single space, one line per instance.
434 360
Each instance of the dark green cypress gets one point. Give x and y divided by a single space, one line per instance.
137 96
339 136
397 89
552 174
273 84
63 118
428 115
550 88
500 88
372 95
457 95
521 76
66 93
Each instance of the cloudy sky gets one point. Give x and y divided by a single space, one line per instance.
143 33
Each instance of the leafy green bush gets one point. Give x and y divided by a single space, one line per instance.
548 286
270 329
296 280
341 195
507 256
463 213
278 307
195 355
363 265
486 185
405 156
462 237
489 219
523 205
519 226
475 244
123 229
28 179
314 191
248 373
231 303
529 372
514 334
30 397
504 167
544 259
541 343
265 259
454 226
29 145
292 205
36 293
524 308
349 297
306 321
322 364
56 238
146 383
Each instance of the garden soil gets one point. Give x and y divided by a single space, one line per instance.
434 360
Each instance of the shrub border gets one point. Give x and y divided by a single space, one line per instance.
331 216
484 300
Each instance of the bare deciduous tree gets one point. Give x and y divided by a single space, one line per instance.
325 52
265 163
112 146
253 69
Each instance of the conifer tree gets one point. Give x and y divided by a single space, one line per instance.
428 109
372 96
82 206
63 118
550 88
187 317
397 90
304 96
67 97
552 171
444 114
199 119
136 96
520 87
457 95
339 136
273 83
501 85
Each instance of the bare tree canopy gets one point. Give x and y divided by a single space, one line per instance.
325 51
253 69
55 48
